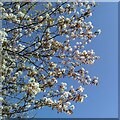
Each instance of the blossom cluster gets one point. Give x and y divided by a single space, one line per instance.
43 43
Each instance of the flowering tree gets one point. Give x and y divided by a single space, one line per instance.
41 45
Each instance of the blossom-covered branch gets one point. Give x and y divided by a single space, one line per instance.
42 43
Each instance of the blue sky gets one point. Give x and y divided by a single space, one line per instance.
102 101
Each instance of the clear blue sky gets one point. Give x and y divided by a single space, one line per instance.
102 101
